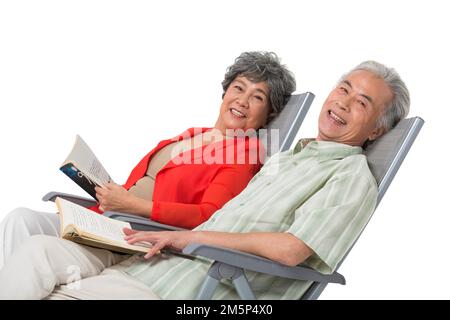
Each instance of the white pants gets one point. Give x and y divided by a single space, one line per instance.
22 223
54 268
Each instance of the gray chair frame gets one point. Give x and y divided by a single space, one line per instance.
287 123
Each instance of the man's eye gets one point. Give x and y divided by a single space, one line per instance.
362 103
343 90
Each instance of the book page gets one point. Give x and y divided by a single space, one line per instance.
86 161
87 221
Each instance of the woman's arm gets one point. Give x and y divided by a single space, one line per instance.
281 247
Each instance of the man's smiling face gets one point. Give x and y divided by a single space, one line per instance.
350 113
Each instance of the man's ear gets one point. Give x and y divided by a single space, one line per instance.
377 133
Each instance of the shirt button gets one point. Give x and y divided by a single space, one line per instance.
268 184
241 204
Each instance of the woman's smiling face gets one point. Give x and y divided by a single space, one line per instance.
245 105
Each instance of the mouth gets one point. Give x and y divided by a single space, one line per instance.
336 118
237 113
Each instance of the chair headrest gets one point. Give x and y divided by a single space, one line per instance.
386 154
287 123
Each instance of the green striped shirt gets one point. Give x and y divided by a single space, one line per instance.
323 193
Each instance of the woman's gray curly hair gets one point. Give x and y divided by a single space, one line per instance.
258 66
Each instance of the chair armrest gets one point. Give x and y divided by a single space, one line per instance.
259 264
82 201
140 223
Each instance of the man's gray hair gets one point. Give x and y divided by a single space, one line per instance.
399 107
261 66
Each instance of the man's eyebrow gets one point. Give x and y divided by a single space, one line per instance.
348 83
368 98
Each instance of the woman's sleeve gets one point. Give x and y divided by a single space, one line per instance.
227 183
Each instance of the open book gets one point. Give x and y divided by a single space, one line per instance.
84 226
83 167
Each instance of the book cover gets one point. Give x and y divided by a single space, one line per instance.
83 167
79 178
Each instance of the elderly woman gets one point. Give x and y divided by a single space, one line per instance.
172 184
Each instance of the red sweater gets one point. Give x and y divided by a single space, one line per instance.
196 183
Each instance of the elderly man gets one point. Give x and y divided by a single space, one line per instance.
310 212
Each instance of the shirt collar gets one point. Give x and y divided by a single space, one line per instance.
326 150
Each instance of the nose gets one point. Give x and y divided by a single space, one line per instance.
343 104
243 100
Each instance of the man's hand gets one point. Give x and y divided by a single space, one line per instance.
113 197
177 240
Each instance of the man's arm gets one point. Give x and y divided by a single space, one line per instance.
281 247
327 224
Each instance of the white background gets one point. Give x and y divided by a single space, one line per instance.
127 74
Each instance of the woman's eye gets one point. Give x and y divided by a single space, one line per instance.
259 98
239 88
